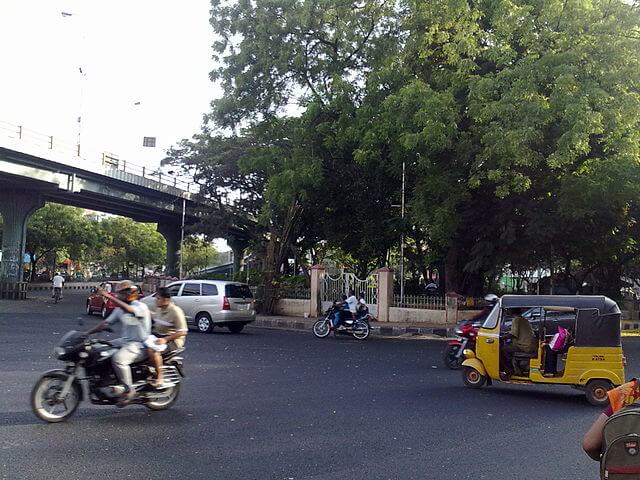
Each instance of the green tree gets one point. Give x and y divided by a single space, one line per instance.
55 228
129 246
512 118
198 254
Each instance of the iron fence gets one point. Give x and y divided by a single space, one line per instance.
426 302
429 302
295 293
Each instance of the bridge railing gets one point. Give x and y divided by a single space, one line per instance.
29 141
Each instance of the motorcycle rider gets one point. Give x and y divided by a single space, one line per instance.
353 302
342 311
57 282
135 320
490 301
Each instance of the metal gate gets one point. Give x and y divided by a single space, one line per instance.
332 288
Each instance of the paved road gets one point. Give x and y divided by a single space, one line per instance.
271 404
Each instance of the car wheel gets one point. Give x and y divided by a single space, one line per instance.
204 323
89 311
235 327
103 312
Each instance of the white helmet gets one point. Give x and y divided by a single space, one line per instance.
491 299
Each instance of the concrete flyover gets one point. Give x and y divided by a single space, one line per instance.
28 180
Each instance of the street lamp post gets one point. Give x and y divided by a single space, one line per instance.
83 75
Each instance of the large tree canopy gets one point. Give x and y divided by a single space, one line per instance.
517 122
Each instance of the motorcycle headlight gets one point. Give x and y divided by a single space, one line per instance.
59 351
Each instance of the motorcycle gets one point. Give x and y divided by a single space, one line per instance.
358 327
466 333
88 374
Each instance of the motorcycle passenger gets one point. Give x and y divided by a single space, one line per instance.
171 330
363 308
135 320
342 313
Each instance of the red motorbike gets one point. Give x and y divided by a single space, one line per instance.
466 334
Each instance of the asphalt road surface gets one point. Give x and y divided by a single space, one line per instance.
270 404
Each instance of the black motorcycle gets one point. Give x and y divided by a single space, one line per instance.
359 327
88 374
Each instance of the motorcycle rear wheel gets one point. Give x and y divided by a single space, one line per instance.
321 328
450 359
361 330
45 402
164 401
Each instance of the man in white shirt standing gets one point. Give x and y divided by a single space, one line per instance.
58 283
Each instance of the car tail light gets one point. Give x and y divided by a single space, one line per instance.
225 304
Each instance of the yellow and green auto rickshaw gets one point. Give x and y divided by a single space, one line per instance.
592 358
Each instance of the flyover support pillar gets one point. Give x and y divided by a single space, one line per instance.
16 206
172 233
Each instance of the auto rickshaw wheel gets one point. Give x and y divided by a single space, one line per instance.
596 392
473 378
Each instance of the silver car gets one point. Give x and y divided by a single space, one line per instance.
209 303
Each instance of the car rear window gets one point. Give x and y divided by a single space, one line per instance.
191 290
238 291
209 290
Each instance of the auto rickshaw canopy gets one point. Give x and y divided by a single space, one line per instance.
597 317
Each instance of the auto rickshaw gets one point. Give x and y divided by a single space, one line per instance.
592 361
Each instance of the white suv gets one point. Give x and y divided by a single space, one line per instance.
209 303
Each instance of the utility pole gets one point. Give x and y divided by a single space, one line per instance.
184 205
402 238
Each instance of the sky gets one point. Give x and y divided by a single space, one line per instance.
153 52
145 67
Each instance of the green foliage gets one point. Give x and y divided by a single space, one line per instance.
517 123
57 228
197 254
127 244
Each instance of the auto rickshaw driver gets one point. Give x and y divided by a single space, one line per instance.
522 340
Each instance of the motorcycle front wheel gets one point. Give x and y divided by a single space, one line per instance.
361 330
46 402
322 328
164 398
451 360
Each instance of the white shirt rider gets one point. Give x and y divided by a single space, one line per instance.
58 281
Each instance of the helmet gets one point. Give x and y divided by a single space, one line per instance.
127 291
491 299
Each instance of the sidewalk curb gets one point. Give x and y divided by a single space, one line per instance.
377 329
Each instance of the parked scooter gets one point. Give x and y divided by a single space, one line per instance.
466 333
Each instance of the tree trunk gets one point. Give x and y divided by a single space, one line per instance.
452 271
32 261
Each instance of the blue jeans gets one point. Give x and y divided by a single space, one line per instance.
338 319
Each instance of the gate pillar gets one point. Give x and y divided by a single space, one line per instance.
315 305
385 293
